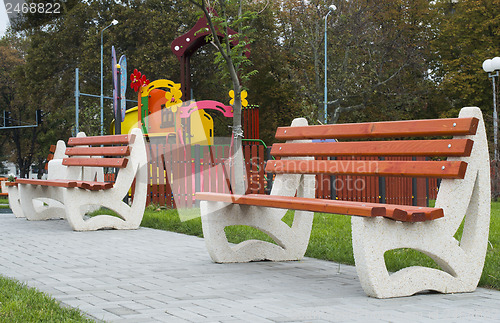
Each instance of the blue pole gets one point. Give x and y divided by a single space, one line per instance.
77 97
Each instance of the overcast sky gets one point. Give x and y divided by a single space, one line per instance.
4 20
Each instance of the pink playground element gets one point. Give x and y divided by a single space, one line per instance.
185 111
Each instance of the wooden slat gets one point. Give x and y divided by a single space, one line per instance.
440 169
102 140
43 182
96 162
408 213
11 184
408 128
296 203
451 147
390 211
89 185
98 151
94 186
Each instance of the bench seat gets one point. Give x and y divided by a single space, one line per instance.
391 211
89 185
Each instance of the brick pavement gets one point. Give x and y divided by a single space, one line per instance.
157 276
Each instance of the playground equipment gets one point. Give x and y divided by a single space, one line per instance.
162 113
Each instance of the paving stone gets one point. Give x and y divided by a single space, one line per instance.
149 275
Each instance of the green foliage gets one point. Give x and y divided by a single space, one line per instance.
469 33
19 303
390 60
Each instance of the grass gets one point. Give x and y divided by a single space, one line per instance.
19 303
4 201
331 240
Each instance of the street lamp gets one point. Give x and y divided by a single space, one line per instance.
114 22
331 8
492 66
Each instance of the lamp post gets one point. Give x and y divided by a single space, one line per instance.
114 22
492 66
331 8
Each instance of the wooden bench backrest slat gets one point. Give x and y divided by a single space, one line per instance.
439 169
450 147
102 140
98 151
410 128
96 162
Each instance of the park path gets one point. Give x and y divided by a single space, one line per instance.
151 275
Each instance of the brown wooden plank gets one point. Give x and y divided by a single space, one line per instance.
206 169
297 203
387 129
395 212
94 186
189 166
102 140
11 184
247 160
149 198
96 162
449 147
154 173
413 213
261 169
98 151
167 158
43 182
161 175
440 169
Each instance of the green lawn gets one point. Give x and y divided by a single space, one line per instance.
331 240
4 201
19 303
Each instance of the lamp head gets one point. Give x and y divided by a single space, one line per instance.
487 66
114 22
332 7
495 63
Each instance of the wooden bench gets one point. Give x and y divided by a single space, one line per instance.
76 182
55 170
376 228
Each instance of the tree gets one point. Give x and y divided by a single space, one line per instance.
377 56
468 33
234 57
23 144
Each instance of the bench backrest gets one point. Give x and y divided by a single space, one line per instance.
113 149
126 152
456 147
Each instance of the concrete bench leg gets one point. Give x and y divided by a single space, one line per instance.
291 242
15 201
461 261
77 202
41 203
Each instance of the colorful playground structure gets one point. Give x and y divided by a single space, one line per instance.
161 113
